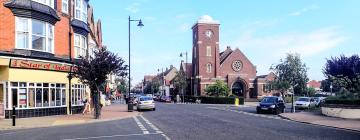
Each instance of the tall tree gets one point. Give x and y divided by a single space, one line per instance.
180 82
94 71
344 72
290 73
218 89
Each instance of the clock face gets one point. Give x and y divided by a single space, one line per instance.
237 65
208 33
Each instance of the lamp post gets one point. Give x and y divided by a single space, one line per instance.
140 24
186 55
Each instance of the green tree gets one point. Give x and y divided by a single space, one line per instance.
180 82
122 85
153 86
310 91
218 89
94 72
290 72
344 73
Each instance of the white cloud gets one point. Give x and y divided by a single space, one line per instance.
185 27
302 11
133 8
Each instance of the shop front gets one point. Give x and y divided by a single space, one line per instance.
38 88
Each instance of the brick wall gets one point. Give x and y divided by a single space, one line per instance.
7 28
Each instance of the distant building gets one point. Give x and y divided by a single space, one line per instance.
314 84
166 77
231 65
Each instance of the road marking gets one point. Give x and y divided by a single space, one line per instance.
247 113
157 130
110 136
141 126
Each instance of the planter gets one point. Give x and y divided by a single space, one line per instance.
340 112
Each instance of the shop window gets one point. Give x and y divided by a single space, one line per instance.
57 97
77 95
31 97
63 97
38 97
22 98
52 97
14 93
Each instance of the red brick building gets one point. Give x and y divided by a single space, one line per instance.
230 65
39 42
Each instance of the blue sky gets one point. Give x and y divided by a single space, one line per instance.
263 30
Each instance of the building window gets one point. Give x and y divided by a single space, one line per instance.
208 68
46 2
65 6
81 10
77 94
80 45
208 51
37 95
34 35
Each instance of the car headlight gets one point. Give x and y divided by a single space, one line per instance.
272 106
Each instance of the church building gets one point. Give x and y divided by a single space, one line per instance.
231 65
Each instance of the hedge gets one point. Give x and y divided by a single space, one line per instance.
355 102
214 100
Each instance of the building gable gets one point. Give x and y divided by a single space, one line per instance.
247 68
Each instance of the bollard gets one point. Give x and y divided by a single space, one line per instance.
13 116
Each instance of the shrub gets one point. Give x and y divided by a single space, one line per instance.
341 100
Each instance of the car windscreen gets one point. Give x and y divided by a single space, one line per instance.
304 99
145 99
268 100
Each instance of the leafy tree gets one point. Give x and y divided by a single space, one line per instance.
180 82
344 72
122 85
218 89
310 91
93 72
291 72
152 87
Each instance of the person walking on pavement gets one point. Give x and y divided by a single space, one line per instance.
87 106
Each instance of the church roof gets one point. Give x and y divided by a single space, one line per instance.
187 68
225 54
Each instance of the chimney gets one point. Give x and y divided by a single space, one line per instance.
171 66
228 47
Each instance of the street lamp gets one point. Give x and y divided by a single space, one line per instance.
186 55
140 24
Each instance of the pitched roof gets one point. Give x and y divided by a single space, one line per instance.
225 54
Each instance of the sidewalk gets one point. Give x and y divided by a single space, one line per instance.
319 119
112 112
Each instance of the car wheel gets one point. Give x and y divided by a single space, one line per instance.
139 110
276 111
258 111
153 109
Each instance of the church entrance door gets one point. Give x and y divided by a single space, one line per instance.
238 89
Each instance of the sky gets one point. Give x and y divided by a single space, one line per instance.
265 31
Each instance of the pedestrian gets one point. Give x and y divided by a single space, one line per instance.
87 105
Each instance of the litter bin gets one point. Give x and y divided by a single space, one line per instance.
130 107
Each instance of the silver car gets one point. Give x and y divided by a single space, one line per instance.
305 103
145 102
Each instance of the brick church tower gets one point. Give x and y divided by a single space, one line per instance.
206 57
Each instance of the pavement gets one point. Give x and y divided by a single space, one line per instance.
315 117
112 112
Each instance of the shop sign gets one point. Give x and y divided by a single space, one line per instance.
28 64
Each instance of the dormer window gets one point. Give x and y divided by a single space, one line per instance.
81 10
46 2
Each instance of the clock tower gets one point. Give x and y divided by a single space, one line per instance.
206 58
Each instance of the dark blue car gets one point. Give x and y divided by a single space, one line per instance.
272 104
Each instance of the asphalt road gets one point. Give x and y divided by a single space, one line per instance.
188 122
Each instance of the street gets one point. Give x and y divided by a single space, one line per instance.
188 122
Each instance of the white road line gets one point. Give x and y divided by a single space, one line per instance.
157 130
110 136
141 126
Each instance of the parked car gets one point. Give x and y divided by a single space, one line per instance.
145 102
305 103
319 101
273 104
165 99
